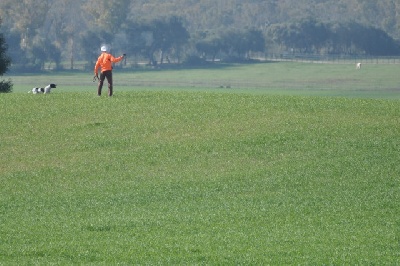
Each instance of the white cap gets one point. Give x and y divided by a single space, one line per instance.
104 48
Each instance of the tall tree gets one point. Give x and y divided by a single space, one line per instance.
64 23
108 15
242 42
5 61
210 46
162 36
27 16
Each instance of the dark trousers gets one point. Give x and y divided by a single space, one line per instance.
106 74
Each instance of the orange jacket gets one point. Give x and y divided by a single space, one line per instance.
104 61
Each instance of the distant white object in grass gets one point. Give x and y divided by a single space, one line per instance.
358 66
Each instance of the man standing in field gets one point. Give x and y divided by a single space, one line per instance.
105 61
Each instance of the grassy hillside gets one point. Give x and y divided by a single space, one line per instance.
201 177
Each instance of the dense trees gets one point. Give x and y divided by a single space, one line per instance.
311 36
234 43
43 32
156 39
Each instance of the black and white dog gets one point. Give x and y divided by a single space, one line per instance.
46 89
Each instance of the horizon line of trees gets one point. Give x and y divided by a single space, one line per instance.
71 30
312 36
163 39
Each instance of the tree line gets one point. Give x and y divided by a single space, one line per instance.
312 36
191 31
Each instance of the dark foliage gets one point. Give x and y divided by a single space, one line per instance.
6 86
5 62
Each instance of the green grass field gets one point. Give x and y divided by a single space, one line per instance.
183 175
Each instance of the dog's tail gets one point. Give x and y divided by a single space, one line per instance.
30 91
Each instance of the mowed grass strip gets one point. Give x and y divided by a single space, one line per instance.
198 178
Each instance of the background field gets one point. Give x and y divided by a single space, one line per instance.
373 81
202 175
